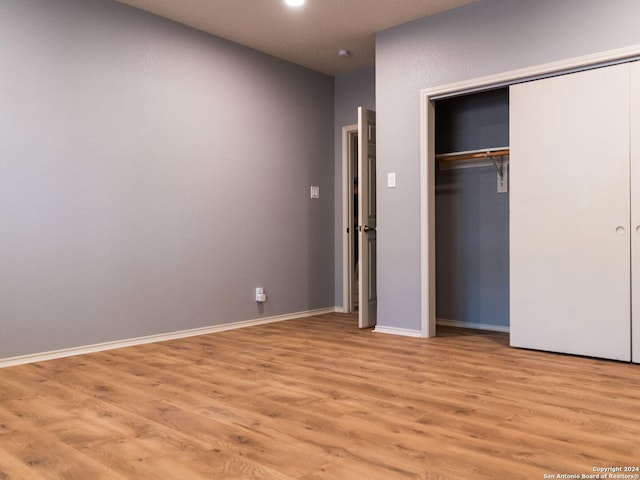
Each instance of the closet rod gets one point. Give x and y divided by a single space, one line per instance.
473 154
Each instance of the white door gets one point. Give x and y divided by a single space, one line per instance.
635 210
570 214
367 217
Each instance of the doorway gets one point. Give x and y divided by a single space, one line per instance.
472 210
428 97
350 202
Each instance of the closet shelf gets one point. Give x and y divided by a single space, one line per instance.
473 154
478 158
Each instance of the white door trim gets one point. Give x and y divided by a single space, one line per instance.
427 153
347 215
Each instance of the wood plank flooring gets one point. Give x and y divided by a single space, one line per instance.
317 398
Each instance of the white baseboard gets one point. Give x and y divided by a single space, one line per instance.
398 331
475 326
99 347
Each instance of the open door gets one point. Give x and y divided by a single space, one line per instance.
367 217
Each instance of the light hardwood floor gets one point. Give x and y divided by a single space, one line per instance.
316 398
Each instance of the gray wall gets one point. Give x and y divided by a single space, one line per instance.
472 247
151 176
351 91
472 218
483 38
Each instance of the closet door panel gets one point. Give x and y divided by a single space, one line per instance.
635 210
569 214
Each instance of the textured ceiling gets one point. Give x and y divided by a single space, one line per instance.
310 36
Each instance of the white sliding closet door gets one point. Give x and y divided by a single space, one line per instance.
570 214
635 210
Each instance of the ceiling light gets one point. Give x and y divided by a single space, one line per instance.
294 3
344 53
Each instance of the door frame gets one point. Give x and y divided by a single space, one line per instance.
427 153
347 231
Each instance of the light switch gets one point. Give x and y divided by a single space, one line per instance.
391 179
315 192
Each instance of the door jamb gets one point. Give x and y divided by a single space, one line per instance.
347 215
427 153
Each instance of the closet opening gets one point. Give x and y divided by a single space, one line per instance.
429 97
472 210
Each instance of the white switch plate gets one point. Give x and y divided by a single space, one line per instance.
391 179
315 192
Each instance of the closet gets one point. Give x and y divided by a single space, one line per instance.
575 213
472 215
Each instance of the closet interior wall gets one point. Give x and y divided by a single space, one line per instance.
472 218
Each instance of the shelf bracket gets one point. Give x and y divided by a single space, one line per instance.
502 170
499 166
